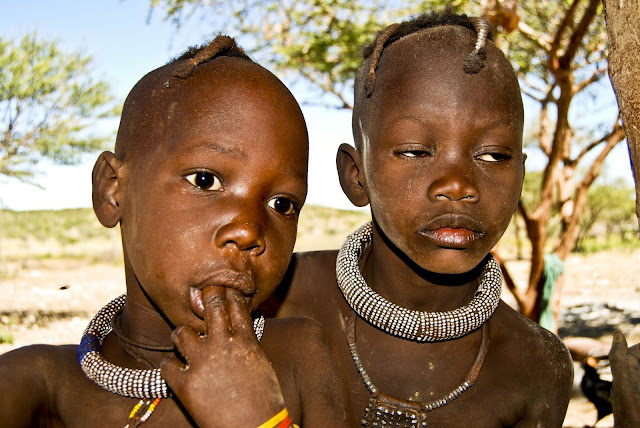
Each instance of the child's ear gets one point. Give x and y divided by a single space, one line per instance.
107 189
348 161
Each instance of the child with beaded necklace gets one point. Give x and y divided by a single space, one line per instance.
206 182
416 311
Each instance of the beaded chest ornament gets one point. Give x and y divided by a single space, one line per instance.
386 411
383 409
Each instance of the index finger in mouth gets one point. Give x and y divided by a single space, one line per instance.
216 311
239 314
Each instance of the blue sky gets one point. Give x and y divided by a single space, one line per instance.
125 46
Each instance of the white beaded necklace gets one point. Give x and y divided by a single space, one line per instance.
406 323
120 380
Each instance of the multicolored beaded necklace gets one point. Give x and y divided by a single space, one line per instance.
143 384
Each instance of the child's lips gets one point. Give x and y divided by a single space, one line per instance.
448 237
229 279
455 231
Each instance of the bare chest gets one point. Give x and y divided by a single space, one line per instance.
82 404
426 384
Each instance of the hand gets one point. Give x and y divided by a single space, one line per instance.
625 391
228 380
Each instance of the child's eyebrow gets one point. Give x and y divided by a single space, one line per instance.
226 150
501 121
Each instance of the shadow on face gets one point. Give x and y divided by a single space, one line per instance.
439 150
209 176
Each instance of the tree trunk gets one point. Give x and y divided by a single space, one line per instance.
623 18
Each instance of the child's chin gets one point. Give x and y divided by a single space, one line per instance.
451 261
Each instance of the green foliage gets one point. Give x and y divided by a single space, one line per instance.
531 189
64 226
48 104
608 219
6 337
321 40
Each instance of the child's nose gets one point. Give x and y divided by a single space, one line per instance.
454 185
245 235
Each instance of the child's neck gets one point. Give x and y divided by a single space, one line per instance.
403 283
141 337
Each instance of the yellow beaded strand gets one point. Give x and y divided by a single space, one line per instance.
138 420
135 409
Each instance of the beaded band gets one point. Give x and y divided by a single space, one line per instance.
406 323
141 412
120 380
280 420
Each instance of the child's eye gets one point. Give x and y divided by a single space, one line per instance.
414 153
204 180
282 205
493 157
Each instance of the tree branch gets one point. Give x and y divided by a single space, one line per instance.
555 45
616 135
592 79
578 35
327 88
540 39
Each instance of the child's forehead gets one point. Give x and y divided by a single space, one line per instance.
222 90
430 62
216 79
437 47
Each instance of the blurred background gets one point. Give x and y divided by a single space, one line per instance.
66 68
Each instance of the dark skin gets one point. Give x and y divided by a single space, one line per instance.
625 390
206 183
440 161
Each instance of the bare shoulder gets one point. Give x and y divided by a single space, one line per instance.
309 284
303 337
309 370
534 363
321 263
31 377
38 362
534 343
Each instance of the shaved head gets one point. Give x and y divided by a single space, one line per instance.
412 49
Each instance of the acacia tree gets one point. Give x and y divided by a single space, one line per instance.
558 48
560 53
48 103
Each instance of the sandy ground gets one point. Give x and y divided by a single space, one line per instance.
50 301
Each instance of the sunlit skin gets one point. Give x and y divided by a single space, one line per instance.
442 176
216 196
439 160
206 182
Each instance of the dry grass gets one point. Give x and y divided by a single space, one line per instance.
57 272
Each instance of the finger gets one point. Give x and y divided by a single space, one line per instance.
618 345
241 322
216 313
618 352
185 338
173 372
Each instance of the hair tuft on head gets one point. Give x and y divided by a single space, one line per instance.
220 46
475 61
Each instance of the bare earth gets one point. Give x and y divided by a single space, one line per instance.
51 301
